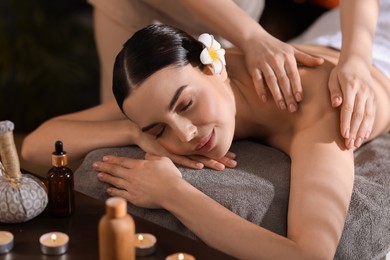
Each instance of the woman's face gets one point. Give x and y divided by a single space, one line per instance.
188 111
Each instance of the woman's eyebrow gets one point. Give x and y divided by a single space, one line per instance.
170 107
176 97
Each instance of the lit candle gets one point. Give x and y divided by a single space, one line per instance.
54 243
6 242
145 244
180 256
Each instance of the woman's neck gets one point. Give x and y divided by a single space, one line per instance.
248 122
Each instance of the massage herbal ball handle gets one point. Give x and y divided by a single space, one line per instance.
60 184
116 232
22 196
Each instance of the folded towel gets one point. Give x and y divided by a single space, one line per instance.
258 190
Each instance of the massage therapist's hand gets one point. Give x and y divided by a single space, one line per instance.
148 144
350 88
273 63
144 183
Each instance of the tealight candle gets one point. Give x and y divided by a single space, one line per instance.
145 244
6 242
54 243
180 256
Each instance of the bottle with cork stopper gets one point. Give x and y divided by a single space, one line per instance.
116 232
60 184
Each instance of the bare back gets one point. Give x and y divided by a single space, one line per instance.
282 126
381 85
322 168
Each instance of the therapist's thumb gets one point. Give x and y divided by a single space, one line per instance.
307 59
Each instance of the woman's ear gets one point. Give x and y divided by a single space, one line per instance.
209 70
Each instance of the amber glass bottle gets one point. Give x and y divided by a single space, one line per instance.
60 184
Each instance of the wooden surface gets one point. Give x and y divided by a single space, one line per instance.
82 228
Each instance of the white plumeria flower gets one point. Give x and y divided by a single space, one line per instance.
213 53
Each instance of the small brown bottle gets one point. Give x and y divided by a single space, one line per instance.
116 232
60 184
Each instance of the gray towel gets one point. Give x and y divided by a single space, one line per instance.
258 190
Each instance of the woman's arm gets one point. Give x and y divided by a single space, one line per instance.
351 82
97 127
321 186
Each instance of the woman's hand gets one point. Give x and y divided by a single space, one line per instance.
144 183
149 144
273 63
350 87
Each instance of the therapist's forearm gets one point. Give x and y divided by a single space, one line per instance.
226 19
358 23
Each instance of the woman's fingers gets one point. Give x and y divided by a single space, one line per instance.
117 182
231 155
215 164
115 165
126 162
186 161
199 162
230 163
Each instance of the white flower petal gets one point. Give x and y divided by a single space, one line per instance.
217 65
215 44
206 39
205 57
212 53
221 55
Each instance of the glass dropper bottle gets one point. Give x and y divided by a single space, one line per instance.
60 184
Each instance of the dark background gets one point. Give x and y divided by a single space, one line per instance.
48 60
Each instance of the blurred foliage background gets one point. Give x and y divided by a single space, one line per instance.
48 60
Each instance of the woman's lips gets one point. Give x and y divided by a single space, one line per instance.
207 143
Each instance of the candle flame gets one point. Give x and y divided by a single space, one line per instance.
53 237
180 256
140 237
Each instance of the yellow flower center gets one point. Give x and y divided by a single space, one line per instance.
213 54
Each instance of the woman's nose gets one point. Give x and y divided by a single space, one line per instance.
185 130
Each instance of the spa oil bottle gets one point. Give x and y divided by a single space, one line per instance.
60 184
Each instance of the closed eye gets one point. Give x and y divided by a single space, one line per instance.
155 130
187 106
160 132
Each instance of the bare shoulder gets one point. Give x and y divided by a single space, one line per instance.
235 65
380 86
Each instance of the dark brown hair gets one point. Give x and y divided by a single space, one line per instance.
151 49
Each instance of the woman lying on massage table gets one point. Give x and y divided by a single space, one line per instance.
162 85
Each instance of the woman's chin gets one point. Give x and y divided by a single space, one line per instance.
220 150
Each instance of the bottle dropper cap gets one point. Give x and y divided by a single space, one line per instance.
59 157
